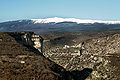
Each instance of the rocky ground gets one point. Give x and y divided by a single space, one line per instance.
23 62
100 54
71 57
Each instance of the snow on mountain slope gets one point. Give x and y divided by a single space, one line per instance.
78 21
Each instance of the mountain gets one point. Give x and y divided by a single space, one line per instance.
59 25
78 21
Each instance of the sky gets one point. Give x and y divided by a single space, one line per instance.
81 9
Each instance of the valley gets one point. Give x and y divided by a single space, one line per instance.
100 53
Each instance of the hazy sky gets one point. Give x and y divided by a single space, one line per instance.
82 9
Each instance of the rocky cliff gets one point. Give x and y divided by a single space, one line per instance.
29 38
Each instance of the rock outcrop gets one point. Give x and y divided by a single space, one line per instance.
29 38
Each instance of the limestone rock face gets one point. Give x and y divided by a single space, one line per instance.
30 39
33 39
38 42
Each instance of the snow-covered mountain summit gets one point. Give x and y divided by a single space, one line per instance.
58 24
78 21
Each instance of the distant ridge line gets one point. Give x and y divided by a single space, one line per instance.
78 21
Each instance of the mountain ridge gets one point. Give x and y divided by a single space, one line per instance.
59 20
78 21
57 25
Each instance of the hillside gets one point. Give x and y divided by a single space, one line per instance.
23 62
72 56
98 51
